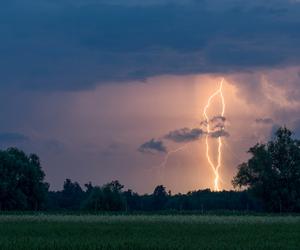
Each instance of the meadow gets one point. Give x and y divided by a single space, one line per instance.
149 232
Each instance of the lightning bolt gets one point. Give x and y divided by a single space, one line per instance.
167 156
214 167
162 166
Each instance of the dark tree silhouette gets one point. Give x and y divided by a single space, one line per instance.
106 198
95 200
132 200
22 185
160 197
71 195
273 173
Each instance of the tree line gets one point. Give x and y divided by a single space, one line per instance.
268 181
112 197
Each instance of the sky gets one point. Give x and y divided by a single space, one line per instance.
106 89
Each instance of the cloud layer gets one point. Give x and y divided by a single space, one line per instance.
63 45
153 146
184 135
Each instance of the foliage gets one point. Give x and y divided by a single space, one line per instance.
22 183
273 173
106 198
69 198
111 197
22 188
160 197
71 195
271 177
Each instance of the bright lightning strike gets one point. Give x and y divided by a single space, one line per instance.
163 164
215 167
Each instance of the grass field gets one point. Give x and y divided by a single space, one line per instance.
149 232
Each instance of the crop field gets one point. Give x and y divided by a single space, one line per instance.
149 232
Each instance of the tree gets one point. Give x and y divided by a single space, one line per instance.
112 194
273 173
160 197
71 195
106 198
133 200
22 183
94 201
89 187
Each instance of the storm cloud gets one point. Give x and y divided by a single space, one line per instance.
85 82
184 135
71 45
219 133
218 119
152 146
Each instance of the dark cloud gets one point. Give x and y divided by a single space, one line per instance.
264 121
213 121
153 146
218 119
219 133
12 138
184 135
217 128
65 44
218 123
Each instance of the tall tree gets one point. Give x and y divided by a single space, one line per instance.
160 197
273 172
22 183
71 195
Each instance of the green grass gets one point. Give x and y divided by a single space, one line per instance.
149 232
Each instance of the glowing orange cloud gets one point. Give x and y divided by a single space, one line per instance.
214 167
